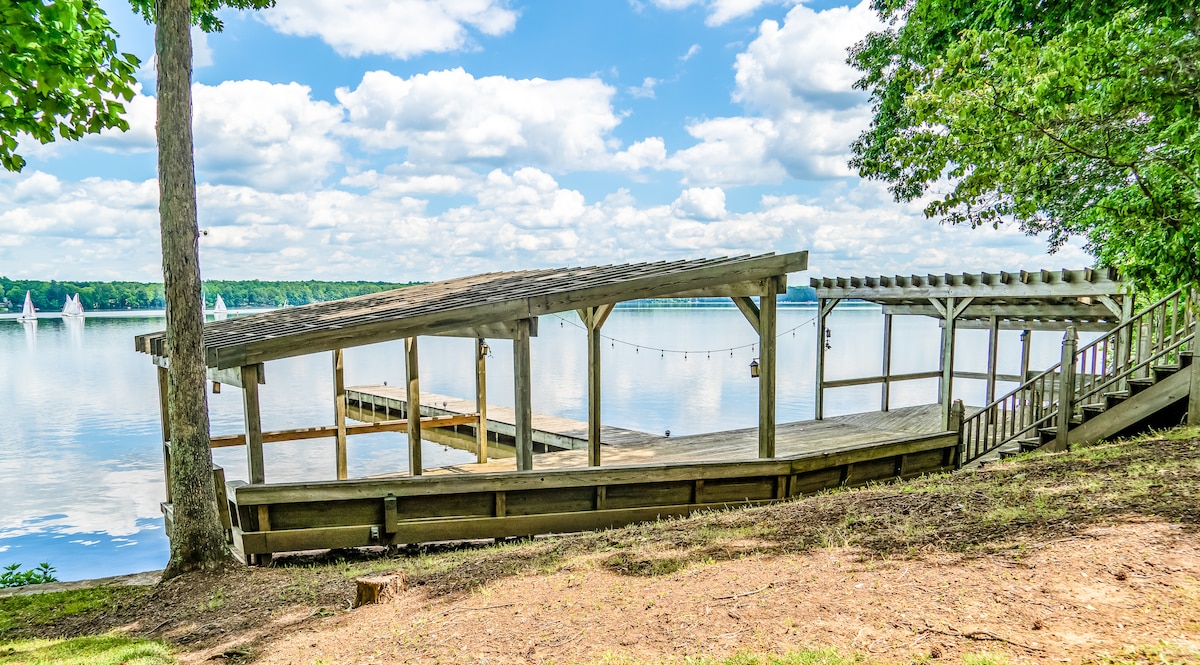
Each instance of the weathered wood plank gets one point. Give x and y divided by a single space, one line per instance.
339 415
253 422
413 372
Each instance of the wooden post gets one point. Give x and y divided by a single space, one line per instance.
481 430
1124 350
993 351
253 416
339 413
1025 350
946 389
1143 350
165 416
885 397
819 392
1193 414
766 378
523 401
413 395
958 413
1066 391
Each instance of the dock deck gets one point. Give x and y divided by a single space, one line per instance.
625 447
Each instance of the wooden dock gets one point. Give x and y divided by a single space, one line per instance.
563 441
550 433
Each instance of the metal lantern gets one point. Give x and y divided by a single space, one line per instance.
754 368
484 349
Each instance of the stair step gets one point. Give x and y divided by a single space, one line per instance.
1092 410
1137 385
1116 397
1163 371
1027 445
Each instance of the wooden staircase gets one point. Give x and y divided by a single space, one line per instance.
1138 375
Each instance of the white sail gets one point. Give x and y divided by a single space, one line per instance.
73 307
27 313
219 309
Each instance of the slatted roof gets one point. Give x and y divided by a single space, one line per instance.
1088 298
474 302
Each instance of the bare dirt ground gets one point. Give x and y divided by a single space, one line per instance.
1054 558
1100 592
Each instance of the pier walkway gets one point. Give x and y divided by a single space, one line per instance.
831 435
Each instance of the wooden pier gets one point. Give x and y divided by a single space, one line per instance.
550 433
589 475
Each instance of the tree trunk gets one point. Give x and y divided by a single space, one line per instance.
196 541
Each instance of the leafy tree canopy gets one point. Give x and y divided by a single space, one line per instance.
1067 117
60 73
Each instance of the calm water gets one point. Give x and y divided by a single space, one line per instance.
79 439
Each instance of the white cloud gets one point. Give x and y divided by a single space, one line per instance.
732 151
399 28
273 136
692 52
794 80
719 12
804 61
452 117
703 203
645 90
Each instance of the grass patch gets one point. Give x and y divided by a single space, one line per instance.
108 649
55 608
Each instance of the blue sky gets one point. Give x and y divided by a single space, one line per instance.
418 139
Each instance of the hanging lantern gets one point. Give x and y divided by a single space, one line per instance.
754 368
484 349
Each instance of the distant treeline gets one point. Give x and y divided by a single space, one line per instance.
50 296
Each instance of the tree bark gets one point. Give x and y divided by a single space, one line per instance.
196 540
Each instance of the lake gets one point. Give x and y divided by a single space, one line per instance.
79 439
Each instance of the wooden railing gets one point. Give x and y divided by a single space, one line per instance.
1158 335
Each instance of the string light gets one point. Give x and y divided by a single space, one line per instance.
613 341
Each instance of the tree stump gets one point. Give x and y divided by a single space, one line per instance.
378 589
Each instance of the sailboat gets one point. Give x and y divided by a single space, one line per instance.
73 307
219 309
27 311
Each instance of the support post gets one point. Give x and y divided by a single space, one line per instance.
481 430
1124 350
522 398
339 413
1193 413
253 416
1066 391
413 395
165 416
958 413
819 392
767 365
885 396
946 388
993 351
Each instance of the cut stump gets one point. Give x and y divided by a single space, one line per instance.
378 589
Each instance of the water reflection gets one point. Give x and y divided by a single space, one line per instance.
80 450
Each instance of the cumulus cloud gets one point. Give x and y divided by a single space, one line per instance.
803 112
398 28
273 136
719 12
452 117
703 203
507 219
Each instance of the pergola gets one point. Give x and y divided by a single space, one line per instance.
1090 299
502 305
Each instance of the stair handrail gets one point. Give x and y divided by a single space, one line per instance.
1036 402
